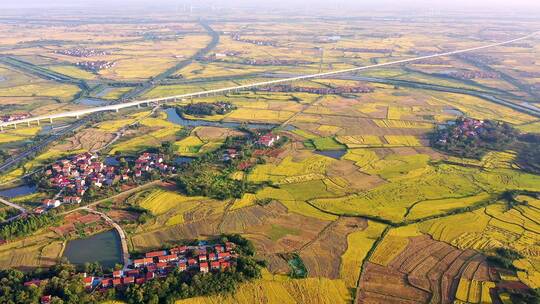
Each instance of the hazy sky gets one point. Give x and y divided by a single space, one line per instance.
454 4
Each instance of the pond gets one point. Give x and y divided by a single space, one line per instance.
173 117
336 154
183 160
18 191
454 112
94 102
103 247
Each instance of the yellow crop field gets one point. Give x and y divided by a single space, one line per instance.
289 167
72 71
361 157
280 290
462 292
161 201
358 245
402 124
360 141
61 91
244 114
432 207
247 200
189 145
402 140
393 243
394 165
115 93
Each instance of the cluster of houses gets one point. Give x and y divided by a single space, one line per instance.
157 264
95 66
238 37
82 52
474 75
276 62
364 50
319 91
14 116
76 175
218 56
468 127
268 140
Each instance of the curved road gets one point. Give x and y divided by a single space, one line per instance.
117 107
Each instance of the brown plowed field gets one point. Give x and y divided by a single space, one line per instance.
426 271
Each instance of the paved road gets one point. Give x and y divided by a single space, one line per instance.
117 107
18 207
119 230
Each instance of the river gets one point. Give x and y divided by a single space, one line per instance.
173 117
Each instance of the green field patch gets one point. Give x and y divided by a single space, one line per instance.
277 232
327 143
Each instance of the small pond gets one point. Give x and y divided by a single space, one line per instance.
18 191
335 154
94 102
103 247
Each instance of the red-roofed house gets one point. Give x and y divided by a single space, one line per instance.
192 262
88 281
161 265
202 257
117 282
156 253
46 299
128 280
179 249
118 273
168 258
142 262
203 267
150 275
140 281
182 266
34 282
224 255
105 283
214 265
225 265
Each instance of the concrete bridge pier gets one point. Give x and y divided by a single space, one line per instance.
51 120
15 126
28 124
138 106
38 122
116 110
1 128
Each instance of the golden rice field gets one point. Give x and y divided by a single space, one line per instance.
279 289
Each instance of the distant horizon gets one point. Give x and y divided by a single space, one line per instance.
456 5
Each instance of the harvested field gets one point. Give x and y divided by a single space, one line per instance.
425 270
87 140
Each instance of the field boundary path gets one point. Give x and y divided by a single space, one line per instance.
117 107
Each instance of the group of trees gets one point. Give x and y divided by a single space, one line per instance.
201 178
26 225
460 140
528 157
62 282
206 109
